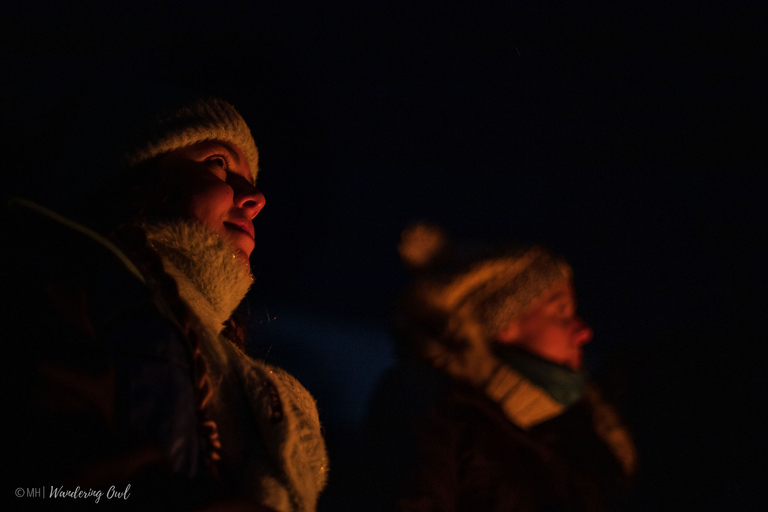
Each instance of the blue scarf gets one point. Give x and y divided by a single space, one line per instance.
563 384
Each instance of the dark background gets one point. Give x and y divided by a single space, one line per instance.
629 137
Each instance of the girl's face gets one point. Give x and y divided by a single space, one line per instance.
216 187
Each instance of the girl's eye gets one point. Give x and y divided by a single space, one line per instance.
219 160
219 166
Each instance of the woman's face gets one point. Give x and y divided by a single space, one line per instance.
551 329
216 188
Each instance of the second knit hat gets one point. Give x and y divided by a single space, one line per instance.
496 284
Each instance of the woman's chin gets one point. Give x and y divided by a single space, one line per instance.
243 246
244 257
241 249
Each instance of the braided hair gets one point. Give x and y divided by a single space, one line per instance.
165 293
118 209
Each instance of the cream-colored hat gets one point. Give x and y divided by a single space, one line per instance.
494 285
197 121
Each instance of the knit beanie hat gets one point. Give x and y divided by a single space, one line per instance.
196 121
491 286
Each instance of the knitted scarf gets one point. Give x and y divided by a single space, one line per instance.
563 384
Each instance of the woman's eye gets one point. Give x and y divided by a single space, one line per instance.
219 160
218 166
565 310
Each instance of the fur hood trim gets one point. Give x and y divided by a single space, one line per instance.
198 257
272 446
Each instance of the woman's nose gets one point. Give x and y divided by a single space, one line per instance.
583 333
251 200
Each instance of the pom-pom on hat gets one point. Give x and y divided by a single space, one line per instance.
491 285
421 244
196 121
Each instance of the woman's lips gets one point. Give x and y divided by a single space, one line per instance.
241 234
242 225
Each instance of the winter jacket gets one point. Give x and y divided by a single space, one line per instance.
443 445
272 448
104 383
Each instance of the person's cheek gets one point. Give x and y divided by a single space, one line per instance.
200 210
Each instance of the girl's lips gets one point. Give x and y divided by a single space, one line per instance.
241 237
242 225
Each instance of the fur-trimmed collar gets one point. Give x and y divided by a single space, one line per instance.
215 280
272 446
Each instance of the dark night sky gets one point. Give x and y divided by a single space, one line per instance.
631 138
